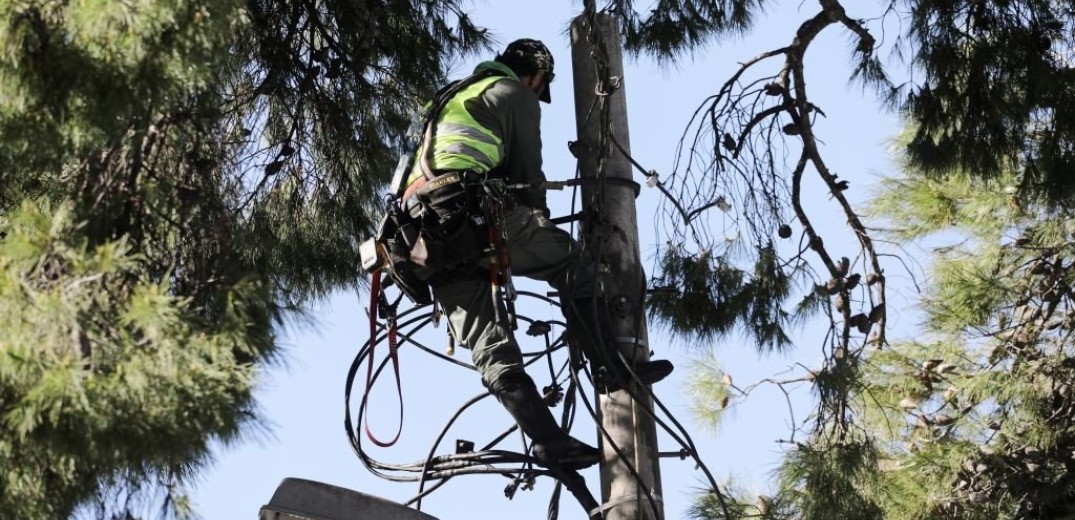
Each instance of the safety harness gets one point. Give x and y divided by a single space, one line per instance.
432 224
503 289
429 129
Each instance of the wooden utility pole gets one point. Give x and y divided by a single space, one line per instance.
612 228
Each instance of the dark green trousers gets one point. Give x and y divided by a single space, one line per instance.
538 250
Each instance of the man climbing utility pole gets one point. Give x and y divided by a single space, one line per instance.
611 232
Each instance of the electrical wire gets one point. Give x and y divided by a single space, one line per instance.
605 85
487 460
443 467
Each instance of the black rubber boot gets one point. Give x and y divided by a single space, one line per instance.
587 322
648 372
552 446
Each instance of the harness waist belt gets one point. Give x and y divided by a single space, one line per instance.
423 185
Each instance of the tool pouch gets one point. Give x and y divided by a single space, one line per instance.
396 236
446 196
444 231
454 232
456 242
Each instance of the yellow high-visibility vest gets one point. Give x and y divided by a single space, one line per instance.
460 142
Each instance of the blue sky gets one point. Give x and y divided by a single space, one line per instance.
302 401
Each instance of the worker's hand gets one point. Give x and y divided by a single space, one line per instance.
496 187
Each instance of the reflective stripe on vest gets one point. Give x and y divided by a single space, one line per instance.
460 142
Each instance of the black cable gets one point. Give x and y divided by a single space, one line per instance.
436 444
615 447
444 467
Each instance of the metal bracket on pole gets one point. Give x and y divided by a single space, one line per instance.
628 340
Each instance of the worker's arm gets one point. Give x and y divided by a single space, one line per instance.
518 113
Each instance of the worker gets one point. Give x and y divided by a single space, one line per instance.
489 128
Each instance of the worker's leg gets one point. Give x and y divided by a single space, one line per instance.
540 250
468 303
552 446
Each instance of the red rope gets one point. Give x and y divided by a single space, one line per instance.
393 353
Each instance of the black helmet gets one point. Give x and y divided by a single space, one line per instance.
527 57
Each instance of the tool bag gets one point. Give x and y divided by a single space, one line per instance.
453 230
445 230
390 251
442 230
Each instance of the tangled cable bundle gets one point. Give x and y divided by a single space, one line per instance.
567 374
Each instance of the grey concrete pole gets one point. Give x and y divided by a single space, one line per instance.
611 230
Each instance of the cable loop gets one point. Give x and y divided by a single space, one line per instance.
490 458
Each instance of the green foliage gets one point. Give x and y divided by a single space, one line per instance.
701 296
738 505
708 388
828 481
974 420
76 74
992 80
106 376
179 177
320 105
673 27
925 206
998 77
981 422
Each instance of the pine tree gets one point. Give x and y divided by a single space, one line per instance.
987 99
998 76
993 83
977 419
179 178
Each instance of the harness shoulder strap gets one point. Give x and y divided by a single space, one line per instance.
429 128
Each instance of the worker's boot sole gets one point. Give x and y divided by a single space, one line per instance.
648 373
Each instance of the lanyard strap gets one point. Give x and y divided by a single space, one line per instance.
393 353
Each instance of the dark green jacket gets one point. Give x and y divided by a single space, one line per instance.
493 125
